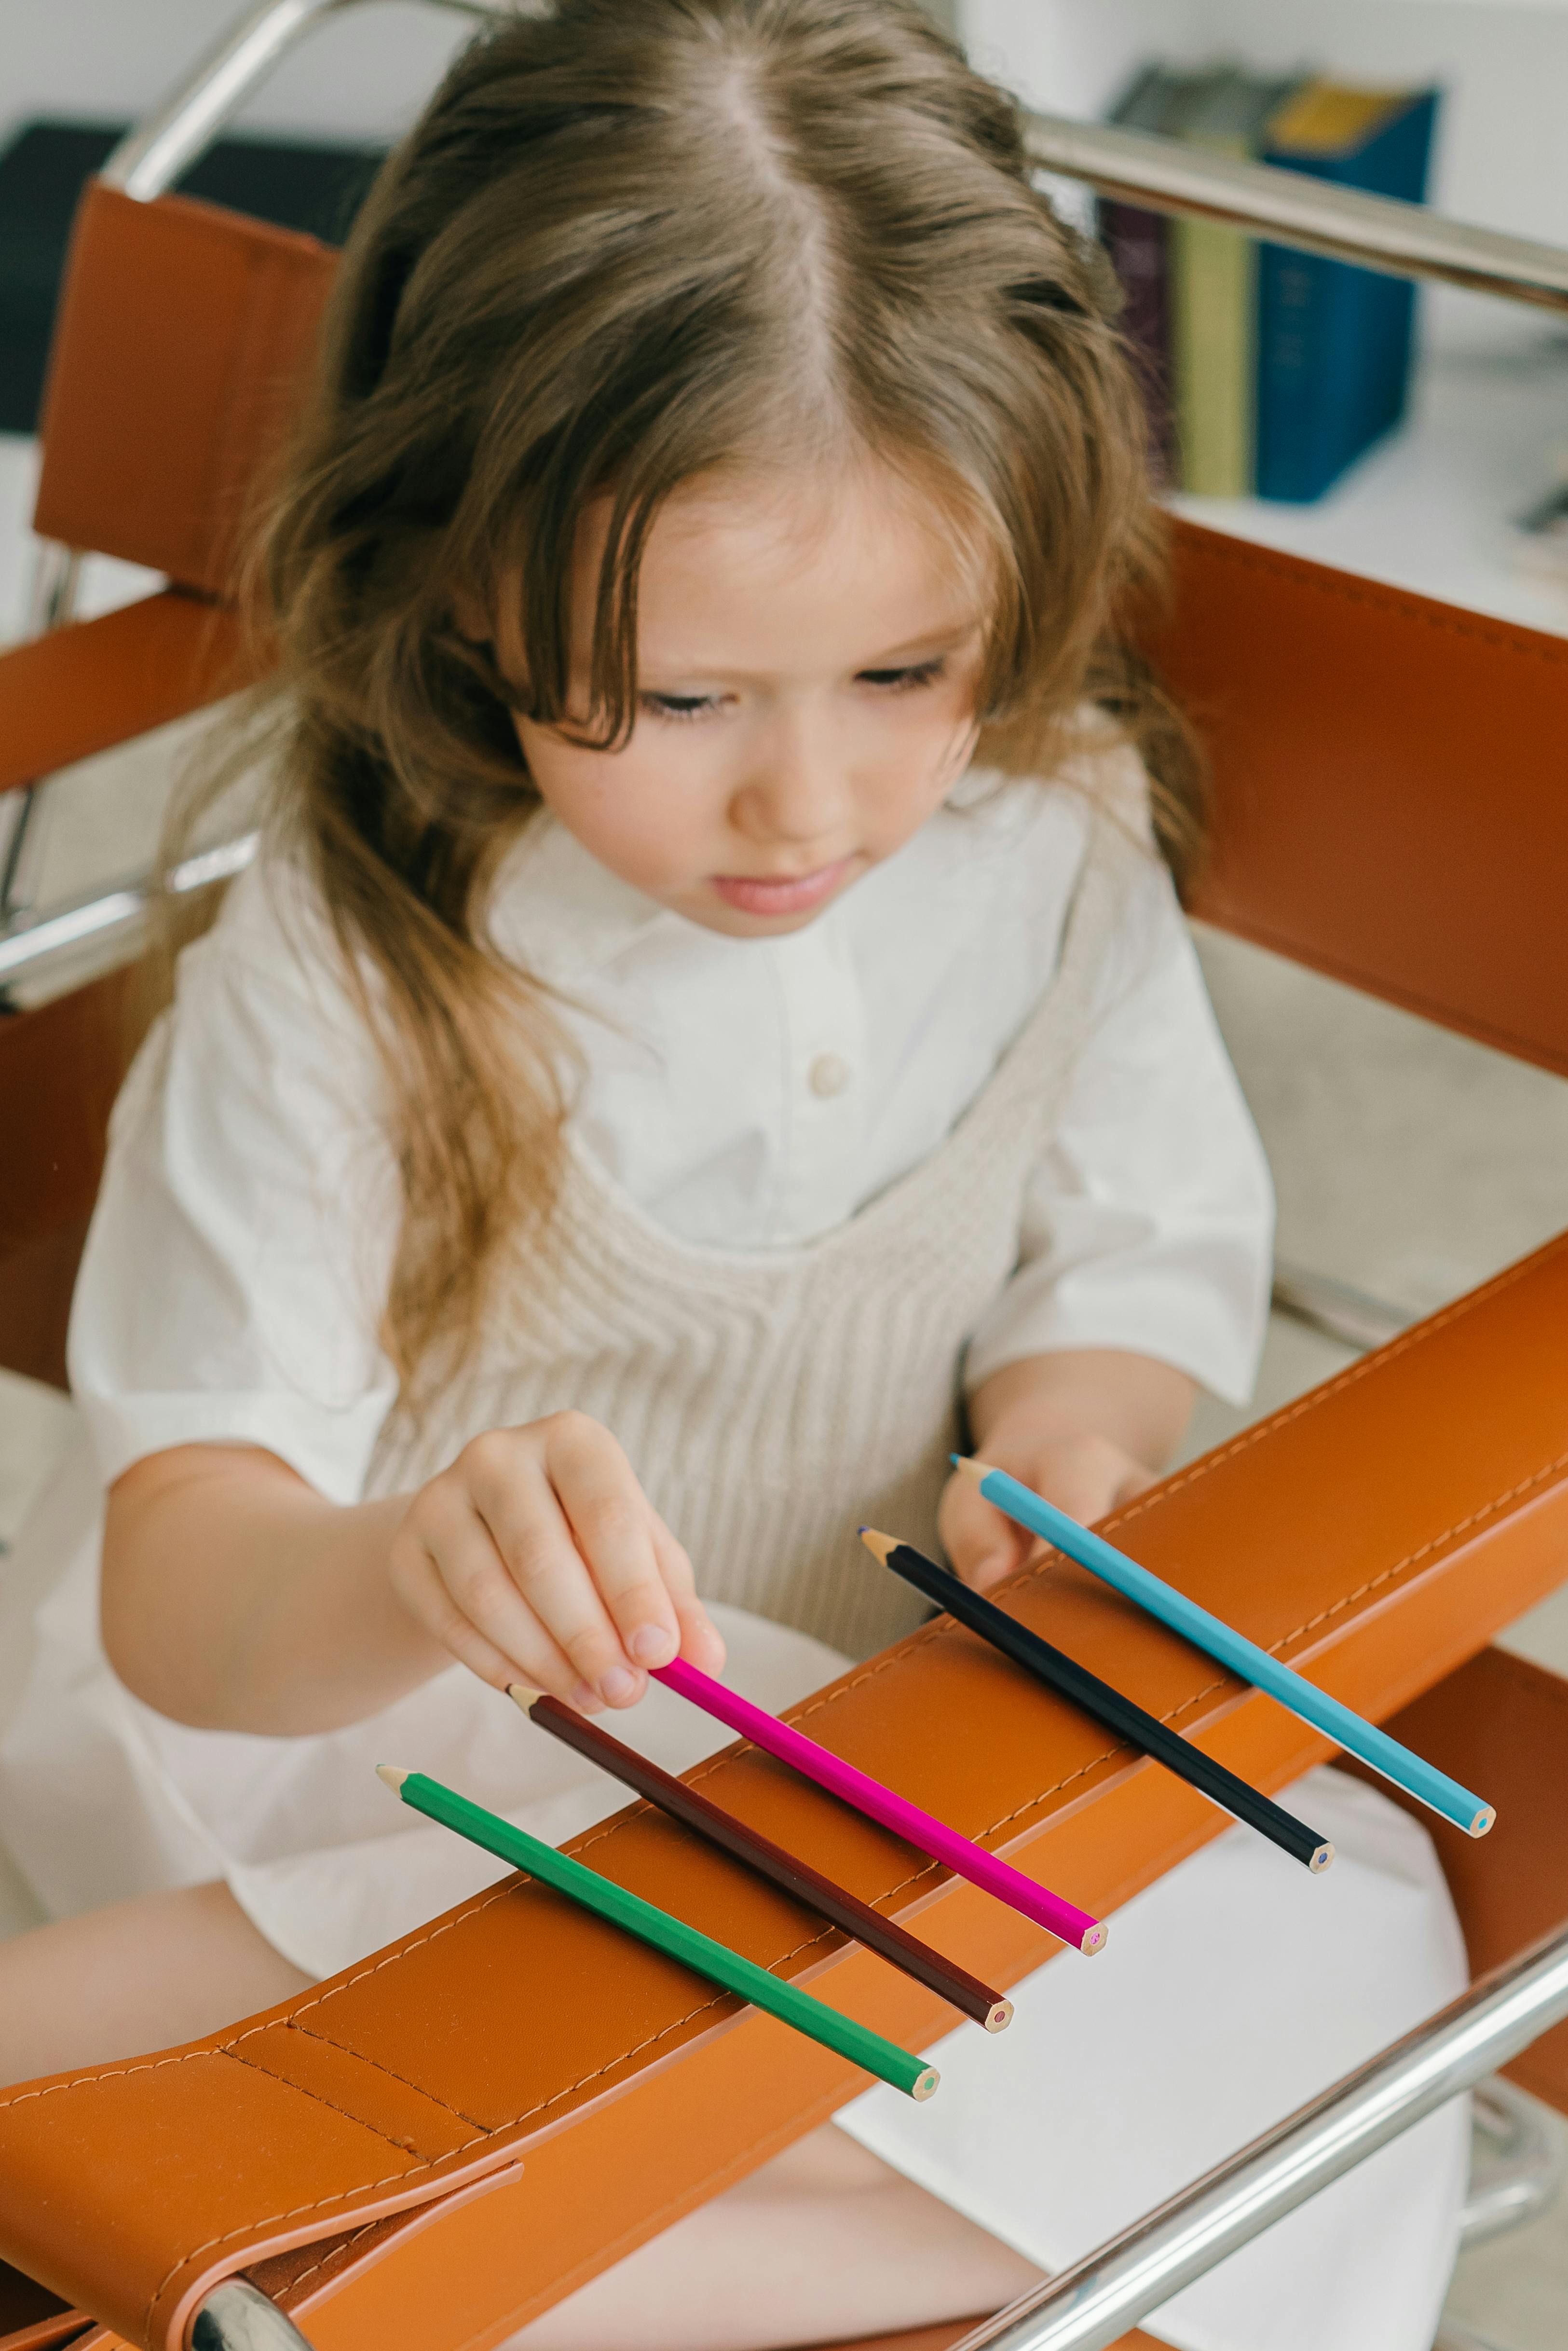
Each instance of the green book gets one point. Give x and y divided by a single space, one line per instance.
1214 290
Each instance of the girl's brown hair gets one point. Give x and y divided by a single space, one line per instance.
630 243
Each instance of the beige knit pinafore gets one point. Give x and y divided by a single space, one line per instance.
773 1401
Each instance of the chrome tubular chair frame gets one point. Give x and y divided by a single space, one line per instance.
1093 2303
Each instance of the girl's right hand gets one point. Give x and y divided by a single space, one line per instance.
536 1557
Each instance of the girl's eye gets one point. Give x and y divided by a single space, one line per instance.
903 681
679 705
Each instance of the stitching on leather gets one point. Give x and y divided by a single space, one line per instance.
338 2251
327 2042
1444 619
368 2187
331 2105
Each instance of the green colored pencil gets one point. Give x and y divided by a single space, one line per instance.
672 1935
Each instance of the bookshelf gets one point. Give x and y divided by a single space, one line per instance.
1430 508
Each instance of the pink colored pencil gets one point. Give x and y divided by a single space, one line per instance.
866 1795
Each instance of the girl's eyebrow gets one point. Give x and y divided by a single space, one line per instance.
908 655
914 649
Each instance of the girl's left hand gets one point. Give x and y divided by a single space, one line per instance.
1086 1427
1087 1476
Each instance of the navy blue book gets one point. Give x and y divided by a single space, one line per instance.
1335 342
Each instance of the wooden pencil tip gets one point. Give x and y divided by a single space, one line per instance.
877 1545
523 1699
1094 1940
969 1467
1483 1821
926 2085
1000 2017
1321 1860
390 1773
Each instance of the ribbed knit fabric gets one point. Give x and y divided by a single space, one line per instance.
773 1403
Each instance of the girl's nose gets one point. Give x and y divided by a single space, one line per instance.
796 786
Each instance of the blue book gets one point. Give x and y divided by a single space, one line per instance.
1335 342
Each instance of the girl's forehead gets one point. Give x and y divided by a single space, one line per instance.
774 573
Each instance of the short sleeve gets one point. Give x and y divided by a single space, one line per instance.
1149 1221
235 1275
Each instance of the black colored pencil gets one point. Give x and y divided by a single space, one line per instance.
835 1903
1108 1706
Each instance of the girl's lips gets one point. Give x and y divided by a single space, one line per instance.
794 896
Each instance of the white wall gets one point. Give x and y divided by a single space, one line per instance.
361 75
1502 153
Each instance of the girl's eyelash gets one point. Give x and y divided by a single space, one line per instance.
901 680
679 707
684 707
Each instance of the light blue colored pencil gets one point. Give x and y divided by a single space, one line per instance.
1346 1728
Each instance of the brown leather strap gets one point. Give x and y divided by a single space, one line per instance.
85 689
1378 1530
1389 786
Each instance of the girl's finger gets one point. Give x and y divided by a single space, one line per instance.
610 1517
529 1653
983 1547
544 1563
702 1642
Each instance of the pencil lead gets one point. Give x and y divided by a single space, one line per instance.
877 1545
392 1776
523 1699
967 1466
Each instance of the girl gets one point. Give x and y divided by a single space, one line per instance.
710 1012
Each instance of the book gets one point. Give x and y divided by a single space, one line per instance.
1335 342
1213 282
1138 242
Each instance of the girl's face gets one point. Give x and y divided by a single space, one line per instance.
807 663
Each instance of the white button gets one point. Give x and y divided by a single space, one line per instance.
828 1074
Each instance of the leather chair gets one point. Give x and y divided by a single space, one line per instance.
436 2146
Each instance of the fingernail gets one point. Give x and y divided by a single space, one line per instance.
617 1686
651 1644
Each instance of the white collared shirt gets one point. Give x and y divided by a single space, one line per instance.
747 1093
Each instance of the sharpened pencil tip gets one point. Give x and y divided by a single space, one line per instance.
390 1773
523 1699
879 1546
969 1467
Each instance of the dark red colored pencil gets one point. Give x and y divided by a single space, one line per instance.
835 1903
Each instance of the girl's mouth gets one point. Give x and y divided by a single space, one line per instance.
792 895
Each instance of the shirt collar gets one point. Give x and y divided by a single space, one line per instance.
560 914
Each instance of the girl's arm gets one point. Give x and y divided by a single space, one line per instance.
1088 1428
236 1598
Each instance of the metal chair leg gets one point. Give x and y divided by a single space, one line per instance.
1089 2307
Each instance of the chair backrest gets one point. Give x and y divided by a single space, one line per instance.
1389 777
181 336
